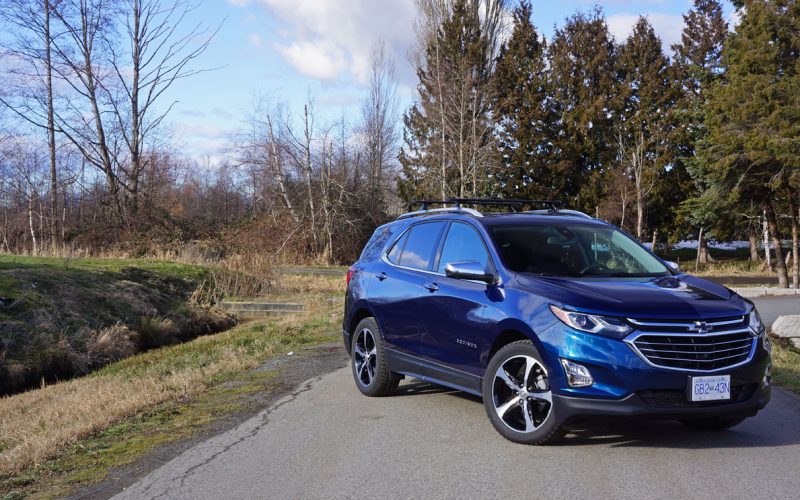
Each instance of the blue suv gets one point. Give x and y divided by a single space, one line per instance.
552 317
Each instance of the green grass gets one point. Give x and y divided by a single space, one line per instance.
785 365
225 390
50 309
166 268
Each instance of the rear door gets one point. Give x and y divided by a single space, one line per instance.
453 326
396 287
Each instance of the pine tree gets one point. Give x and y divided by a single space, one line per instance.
645 99
751 116
584 83
525 118
697 66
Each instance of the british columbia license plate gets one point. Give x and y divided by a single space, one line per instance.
710 388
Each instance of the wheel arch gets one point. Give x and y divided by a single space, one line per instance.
506 332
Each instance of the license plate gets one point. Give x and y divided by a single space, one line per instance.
713 388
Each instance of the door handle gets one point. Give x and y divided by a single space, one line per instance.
432 287
381 276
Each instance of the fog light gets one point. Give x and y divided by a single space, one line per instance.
577 375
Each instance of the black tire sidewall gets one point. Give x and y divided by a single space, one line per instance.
384 381
550 429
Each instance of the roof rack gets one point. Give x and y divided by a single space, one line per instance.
550 204
457 206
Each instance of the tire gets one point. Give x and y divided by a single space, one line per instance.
372 377
712 423
534 421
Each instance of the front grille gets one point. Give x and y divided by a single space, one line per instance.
724 343
677 398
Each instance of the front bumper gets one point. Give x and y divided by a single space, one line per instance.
574 409
627 386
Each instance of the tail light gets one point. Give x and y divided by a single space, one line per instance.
350 273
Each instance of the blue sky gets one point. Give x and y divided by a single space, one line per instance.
290 49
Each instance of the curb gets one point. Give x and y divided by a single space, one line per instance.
764 291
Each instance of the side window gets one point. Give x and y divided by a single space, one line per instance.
394 253
420 245
462 243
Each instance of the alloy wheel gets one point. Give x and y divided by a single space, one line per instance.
521 393
365 357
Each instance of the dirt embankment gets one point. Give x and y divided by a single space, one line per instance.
60 318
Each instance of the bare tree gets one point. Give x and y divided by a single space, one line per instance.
632 149
33 48
379 121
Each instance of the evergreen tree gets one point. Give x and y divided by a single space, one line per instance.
448 132
697 66
525 118
753 136
583 82
645 99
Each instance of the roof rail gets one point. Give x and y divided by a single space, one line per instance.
453 210
576 213
457 206
550 204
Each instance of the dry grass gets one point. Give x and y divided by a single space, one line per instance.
786 364
38 425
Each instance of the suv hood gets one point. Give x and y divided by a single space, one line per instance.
676 297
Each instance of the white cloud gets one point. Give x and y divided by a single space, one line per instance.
254 39
329 39
667 26
239 3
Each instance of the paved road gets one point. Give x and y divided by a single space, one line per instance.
328 441
772 307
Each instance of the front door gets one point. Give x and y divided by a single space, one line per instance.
452 313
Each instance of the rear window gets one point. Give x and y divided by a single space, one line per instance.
416 248
377 242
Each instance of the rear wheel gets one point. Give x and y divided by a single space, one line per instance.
517 397
370 370
712 423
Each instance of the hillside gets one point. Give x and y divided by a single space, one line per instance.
60 317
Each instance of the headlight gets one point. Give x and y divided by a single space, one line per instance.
758 326
600 325
755 321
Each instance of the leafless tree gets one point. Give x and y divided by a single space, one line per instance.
379 118
32 49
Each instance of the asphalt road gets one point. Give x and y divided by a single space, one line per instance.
325 440
772 307
328 441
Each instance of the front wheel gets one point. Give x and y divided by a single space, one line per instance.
370 369
517 397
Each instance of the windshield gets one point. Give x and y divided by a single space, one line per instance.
578 250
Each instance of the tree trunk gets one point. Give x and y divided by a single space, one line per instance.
30 224
793 217
699 250
51 130
753 247
767 254
639 211
655 240
780 264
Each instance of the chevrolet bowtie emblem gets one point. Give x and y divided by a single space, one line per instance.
700 327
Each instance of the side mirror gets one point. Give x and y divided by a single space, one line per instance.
672 265
469 270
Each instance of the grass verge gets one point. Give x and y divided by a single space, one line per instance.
785 364
70 433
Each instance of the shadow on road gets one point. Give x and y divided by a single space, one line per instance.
775 426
